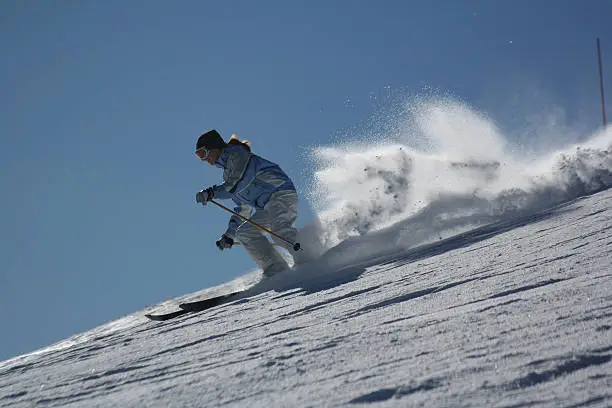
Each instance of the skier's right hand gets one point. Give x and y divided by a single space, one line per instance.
204 196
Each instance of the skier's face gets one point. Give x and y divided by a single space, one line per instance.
212 156
209 156
202 153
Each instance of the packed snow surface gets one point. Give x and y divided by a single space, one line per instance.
451 271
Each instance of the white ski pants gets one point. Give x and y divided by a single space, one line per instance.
278 215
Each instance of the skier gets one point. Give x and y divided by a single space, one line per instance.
253 183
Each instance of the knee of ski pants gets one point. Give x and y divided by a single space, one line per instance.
279 215
256 244
282 212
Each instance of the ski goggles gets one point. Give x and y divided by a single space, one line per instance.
202 153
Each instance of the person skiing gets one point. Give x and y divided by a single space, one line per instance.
253 183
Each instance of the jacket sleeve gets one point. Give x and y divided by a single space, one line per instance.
234 170
235 222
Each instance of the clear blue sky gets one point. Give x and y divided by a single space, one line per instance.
101 103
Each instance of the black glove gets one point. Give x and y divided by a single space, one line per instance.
225 242
204 196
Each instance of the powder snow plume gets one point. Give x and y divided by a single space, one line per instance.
450 169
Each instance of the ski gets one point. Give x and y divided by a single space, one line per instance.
166 316
196 306
200 305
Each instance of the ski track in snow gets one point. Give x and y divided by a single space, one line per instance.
517 313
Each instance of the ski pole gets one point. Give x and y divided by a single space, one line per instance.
236 243
296 246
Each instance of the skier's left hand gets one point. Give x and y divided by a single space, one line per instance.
204 196
225 242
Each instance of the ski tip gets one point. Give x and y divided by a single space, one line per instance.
154 317
166 316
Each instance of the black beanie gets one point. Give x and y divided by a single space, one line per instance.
211 140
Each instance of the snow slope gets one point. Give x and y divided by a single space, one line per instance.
512 314
446 280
